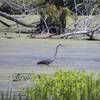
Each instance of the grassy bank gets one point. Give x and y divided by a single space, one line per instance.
68 85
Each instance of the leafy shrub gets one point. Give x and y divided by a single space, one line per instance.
70 85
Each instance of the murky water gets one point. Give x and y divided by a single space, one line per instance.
21 55
79 54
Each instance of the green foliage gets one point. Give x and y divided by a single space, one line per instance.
59 3
39 2
71 85
7 96
53 14
97 1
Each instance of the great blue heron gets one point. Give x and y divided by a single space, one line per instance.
49 61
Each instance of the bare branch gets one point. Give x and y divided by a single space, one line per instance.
4 23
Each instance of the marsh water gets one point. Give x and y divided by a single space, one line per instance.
25 53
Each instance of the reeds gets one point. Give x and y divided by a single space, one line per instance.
69 85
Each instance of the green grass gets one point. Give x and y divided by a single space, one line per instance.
62 85
70 85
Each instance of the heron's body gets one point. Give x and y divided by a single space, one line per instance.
45 62
49 61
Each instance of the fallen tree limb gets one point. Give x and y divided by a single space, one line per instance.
9 17
4 23
70 34
88 32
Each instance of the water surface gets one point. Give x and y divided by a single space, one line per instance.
26 53
21 56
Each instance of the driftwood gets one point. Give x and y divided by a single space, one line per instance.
85 31
88 33
9 17
4 23
70 34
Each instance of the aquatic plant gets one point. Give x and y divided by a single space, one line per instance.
62 85
70 85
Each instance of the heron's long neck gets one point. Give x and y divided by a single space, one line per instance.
56 52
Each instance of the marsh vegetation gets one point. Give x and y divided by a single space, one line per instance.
62 85
30 30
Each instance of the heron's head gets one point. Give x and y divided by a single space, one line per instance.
60 45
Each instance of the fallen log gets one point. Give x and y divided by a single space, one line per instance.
88 33
70 34
4 23
9 17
